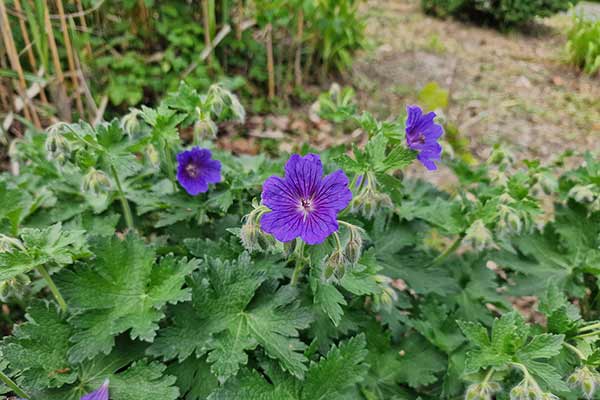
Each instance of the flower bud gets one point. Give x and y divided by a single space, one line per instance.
130 122
252 236
13 286
8 244
57 147
95 182
335 266
585 379
582 193
353 249
152 155
509 220
479 236
369 199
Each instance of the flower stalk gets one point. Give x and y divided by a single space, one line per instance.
13 386
52 286
124 203
439 260
300 262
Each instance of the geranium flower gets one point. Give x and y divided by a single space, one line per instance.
422 134
304 203
99 394
196 169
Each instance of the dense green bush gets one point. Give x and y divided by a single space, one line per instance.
498 12
583 44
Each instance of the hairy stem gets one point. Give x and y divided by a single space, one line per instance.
300 263
448 252
575 350
170 166
13 386
52 286
590 327
124 203
488 376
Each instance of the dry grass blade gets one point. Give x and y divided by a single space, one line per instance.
70 58
28 46
29 110
270 61
64 109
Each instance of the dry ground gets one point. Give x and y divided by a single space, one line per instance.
511 87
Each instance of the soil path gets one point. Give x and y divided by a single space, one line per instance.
509 87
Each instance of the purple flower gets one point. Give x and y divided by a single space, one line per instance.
196 169
99 394
304 203
422 135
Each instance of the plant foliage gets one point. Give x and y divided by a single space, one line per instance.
177 297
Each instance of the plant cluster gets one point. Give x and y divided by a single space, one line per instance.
315 276
134 51
503 13
583 44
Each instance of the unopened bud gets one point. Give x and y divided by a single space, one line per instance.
152 155
57 147
353 249
582 193
130 122
479 236
8 244
95 182
585 379
335 266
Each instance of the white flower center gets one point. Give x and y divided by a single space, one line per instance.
305 207
192 170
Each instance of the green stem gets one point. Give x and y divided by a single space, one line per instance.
52 286
590 327
13 386
338 241
362 182
300 263
124 203
575 350
448 252
170 166
590 334
488 376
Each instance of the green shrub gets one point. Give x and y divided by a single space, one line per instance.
583 44
497 12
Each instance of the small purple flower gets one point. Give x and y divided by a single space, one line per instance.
422 134
196 169
99 394
304 203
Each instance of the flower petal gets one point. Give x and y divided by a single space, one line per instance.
278 193
285 225
318 226
333 193
304 173
99 394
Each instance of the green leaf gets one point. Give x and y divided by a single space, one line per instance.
475 333
122 290
420 362
341 369
194 378
38 348
48 246
542 346
326 296
231 316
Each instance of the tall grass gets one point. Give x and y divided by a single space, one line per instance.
583 45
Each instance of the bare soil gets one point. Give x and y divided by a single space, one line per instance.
513 87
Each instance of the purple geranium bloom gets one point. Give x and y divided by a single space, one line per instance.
304 203
422 134
99 394
196 169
